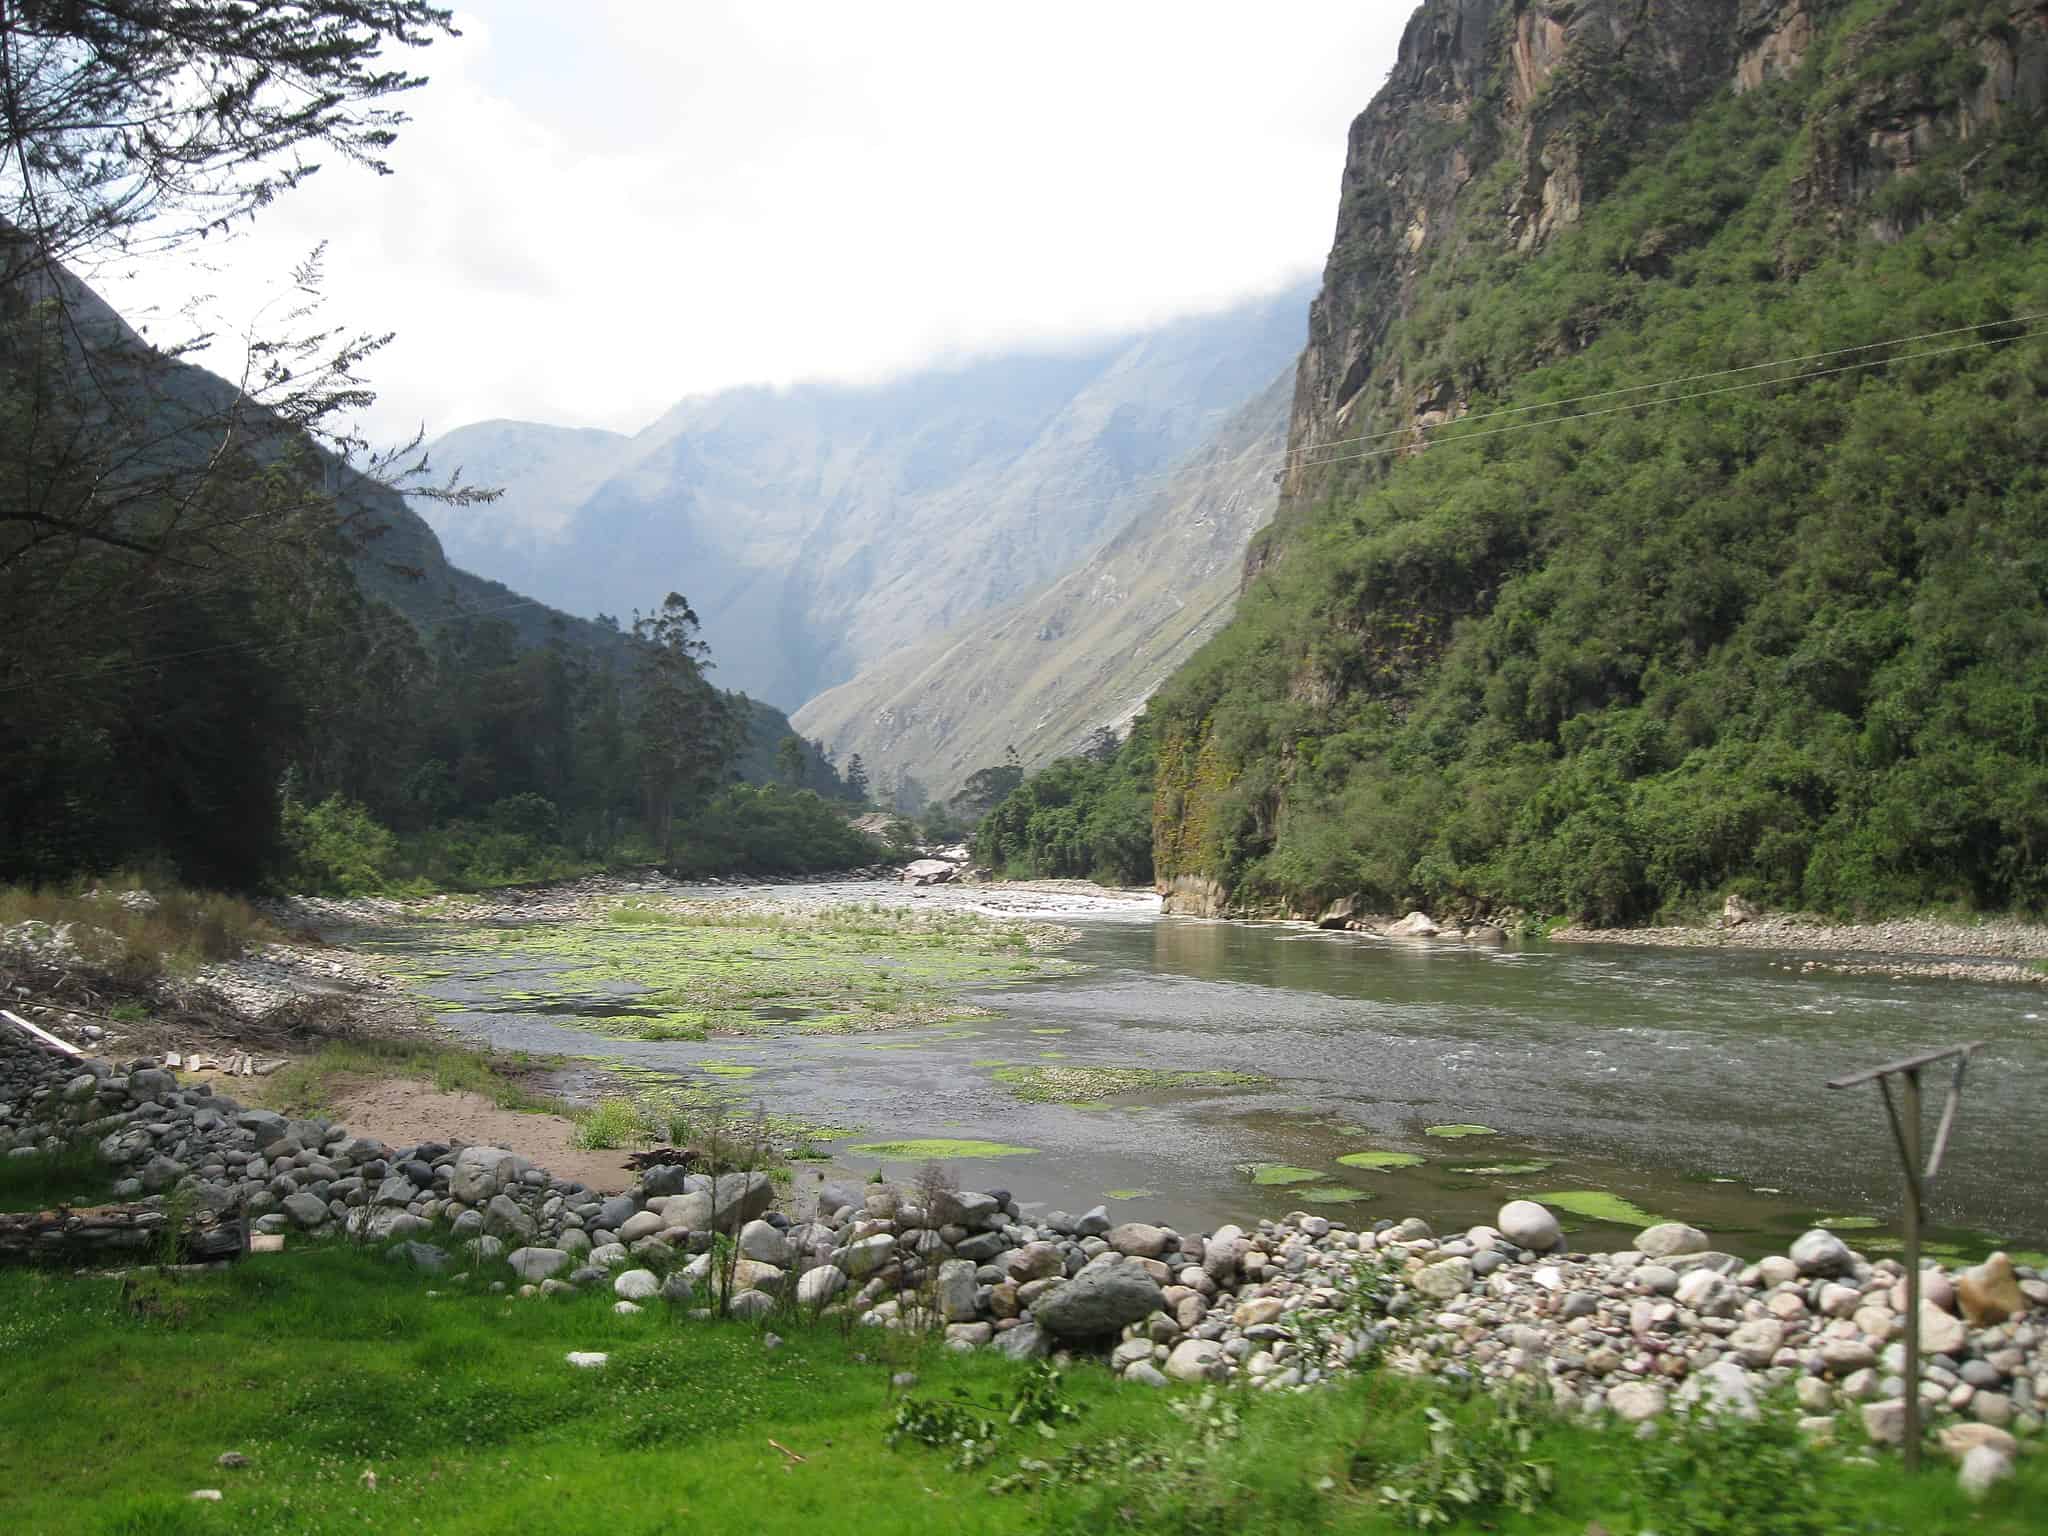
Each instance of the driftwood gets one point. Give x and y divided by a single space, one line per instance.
42 1036
102 1233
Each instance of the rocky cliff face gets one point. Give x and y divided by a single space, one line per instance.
1504 119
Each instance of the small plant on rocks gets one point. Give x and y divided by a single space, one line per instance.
1764 1476
1468 1470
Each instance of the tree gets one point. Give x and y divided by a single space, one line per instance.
789 761
689 732
133 126
857 779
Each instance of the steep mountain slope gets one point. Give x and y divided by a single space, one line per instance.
1668 509
821 529
1087 651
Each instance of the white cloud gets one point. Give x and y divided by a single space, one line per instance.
601 208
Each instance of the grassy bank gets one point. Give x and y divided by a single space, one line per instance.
312 1085
362 1400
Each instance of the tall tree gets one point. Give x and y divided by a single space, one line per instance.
857 779
689 732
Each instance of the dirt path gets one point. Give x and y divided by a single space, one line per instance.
402 1111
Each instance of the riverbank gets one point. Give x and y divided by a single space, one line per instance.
1303 1326
2001 950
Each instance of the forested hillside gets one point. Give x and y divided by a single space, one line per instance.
1668 502
232 650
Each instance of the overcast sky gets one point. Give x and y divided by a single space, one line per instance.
604 206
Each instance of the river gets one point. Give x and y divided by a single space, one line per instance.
1689 1083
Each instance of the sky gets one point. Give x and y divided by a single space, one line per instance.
605 206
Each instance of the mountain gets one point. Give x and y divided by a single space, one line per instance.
1042 674
1667 504
821 529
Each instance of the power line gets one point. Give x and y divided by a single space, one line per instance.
399 622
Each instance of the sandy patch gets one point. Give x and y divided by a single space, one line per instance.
402 1111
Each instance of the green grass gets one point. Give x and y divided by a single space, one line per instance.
70 1176
311 1085
612 1123
323 1364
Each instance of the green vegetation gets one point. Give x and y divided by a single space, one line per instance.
1598 1205
1459 1132
940 1149
363 1401
1089 1085
312 1084
1789 639
610 1123
1381 1162
71 1175
1270 1174
695 970
1501 1170
1080 817
133 946
1336 1194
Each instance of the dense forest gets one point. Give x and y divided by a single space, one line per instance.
1723 561
231 649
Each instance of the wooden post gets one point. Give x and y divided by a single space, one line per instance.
1906 1134
1910 1141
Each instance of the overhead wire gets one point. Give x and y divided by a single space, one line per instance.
399 623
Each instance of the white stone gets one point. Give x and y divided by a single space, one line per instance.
1529 1225
587 1359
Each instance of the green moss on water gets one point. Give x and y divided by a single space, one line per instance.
1079 1085
1847 1223
940 1149
1336 1194
1130 1194
1052 1031
1381 1162
1598 1205
1502 1170
727 1068
1458 1132
1278 1173
2028 1257
688 971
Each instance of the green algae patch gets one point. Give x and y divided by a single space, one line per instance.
1502 1170
1052 1031
727 1068
1279 1173
940 1149
1459 1132
1091 1085
1599 1205
1847 1223
1381 1162
701 970
1130 1194
1336 1194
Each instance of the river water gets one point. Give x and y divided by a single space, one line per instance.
1690 1083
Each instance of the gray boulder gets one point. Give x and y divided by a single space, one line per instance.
1529 1225
1024 1342
1669 1239
1099 1301
1820 1252
481 1172
535 1264
307 1210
